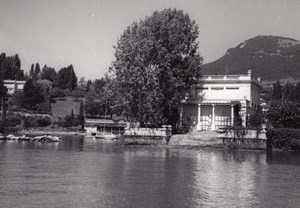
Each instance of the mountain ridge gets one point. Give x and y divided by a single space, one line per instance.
269 57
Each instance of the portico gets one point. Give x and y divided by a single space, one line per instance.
214 115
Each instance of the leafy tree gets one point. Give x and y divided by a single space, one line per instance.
59 93
3 97
70 120
46 91
66 78
10 67
31 72
77 93
297 92
88 85
277 91
99 84
48 73
43 121
30 121
284 115
37 71
255 120
237 119
92 108
288 92
2 126
81 116
156 65
33 94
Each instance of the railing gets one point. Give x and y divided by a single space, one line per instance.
227 77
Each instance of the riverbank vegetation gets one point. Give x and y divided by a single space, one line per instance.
284 111
284 138
284 116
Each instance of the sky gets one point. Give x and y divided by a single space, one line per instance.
83 32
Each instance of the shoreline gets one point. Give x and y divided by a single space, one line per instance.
49 131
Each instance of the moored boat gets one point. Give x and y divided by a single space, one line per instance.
53 138
11 137
108 136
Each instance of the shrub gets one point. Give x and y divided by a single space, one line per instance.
284 115
1 127
57 92
77 93
43 121
44 107
255 120
284 138
30 121
14 121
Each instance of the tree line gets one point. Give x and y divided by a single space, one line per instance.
284 111
156 65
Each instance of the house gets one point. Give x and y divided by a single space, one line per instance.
13 86
211 105
93 126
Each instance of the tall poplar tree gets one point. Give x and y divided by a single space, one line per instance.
277 91
66 78
81 116
157 63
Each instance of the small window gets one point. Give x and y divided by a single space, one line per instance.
217 88
232 88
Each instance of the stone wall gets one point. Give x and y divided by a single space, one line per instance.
244 138
147 136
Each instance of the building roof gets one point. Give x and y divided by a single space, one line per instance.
106 122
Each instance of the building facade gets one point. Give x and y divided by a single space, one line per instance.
211 105
13 86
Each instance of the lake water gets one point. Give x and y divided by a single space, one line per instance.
88 173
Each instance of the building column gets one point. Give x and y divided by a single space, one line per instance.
199 117
213 126
232 115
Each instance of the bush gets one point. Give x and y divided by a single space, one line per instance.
77 93
255 120
57 92
44 107
30 121
284 138
43 121
13 121
284 115
67 121
1 127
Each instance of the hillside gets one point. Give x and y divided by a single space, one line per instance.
269 57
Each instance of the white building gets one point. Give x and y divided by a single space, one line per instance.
211 106
13 85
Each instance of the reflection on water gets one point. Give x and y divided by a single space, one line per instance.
80 172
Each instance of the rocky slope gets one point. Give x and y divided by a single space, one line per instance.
269 57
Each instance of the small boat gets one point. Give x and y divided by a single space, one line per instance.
24 138
53 138
47 138
38 138
108 136
12 137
